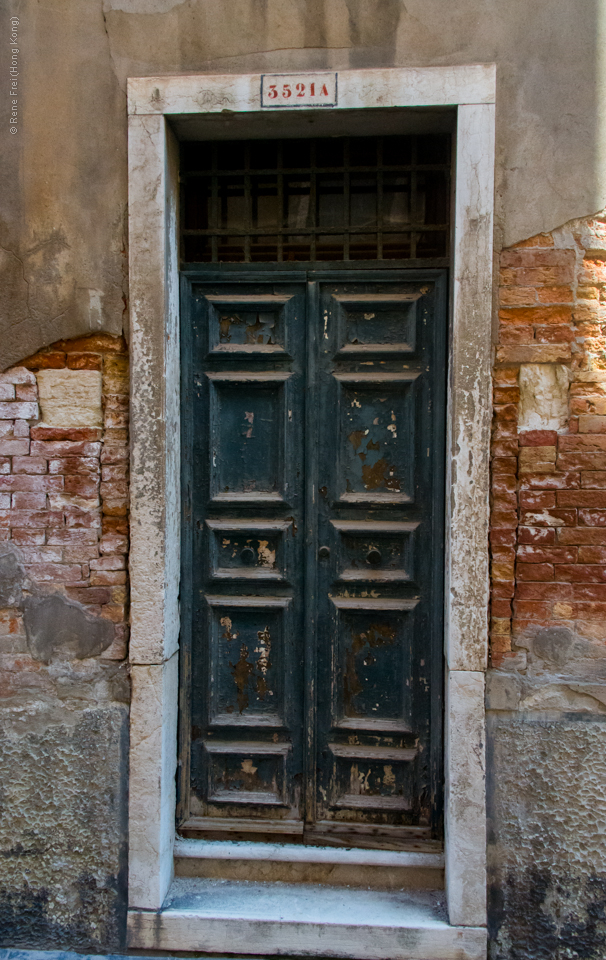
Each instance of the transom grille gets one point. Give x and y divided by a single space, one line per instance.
362 198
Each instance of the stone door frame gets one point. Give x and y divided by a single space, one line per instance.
156 464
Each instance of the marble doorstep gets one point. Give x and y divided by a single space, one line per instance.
281 919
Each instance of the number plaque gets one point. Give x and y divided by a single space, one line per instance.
299 90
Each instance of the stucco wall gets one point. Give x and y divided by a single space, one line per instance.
63 176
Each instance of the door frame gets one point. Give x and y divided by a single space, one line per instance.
153 104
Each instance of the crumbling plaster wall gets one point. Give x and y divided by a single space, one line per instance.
64 679
63 176
546 691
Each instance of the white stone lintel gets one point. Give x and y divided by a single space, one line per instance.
387 87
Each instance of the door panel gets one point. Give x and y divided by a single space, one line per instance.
247 662
380 366
316 491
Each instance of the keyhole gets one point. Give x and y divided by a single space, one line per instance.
374 556
248 555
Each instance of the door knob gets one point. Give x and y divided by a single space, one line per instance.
247 555
324 553
374 556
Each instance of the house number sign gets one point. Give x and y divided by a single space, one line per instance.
299 90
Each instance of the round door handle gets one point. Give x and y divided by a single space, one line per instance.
374 556
248 555
324 553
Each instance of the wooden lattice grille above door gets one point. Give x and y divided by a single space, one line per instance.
317 200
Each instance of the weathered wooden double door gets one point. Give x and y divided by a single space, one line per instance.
314 406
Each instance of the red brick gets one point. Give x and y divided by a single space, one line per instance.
502 465
581 573
559 294
80 553
28 501
54 572
14 448
82 486
560 334
31 518
503 589
31 484
592 518
504 430
536 535
64 448
93 343
538 438
550 481
25 536
75 466
26 391
113 543
72 535
504 501
531 553
539 314
531 500
588 610
114 508
581 461
554 517
84 361
29 465
582 535
503 448
534 353
116 489
42 554
515 333
50 360
582 443
108 577
504 518
500 608
503 537
82 519
506 394
581 498
114 612
544 591
593 479
541 276
108 563
75 434
534 571
506 411
592 554
501 483
531 257
115 525
114 453
89 594
114 471
531 609
589 591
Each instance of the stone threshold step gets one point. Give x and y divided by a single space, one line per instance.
280 919
298 863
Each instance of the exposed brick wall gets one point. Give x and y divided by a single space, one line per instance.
548 529
64 492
